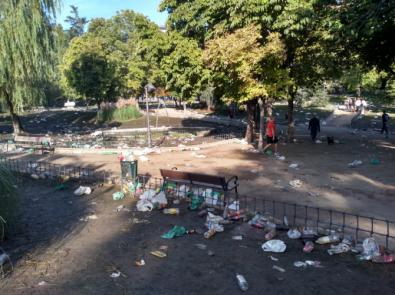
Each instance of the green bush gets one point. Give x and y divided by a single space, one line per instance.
119 114
8 201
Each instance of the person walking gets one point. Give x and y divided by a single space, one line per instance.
271 138
314 127
385 118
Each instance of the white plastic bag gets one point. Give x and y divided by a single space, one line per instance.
160 198
370 248
294 234
234 206
148 195
144 205
83 190
276 246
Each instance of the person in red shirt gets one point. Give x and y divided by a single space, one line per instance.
271 138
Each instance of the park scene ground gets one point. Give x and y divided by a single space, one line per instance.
197 147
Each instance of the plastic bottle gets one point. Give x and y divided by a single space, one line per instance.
208 234
328 239
242 282
172 211
384 258
308 247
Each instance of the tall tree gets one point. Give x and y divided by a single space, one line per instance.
77 23
247 70
25 51
183 68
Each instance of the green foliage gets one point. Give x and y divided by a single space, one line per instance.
122 114
88 71
243 67
183 68
77 23
8 200
25 50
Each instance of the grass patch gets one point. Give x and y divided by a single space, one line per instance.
8 201
123 114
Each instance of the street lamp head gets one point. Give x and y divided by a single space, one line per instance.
149 87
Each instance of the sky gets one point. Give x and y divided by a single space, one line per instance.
108 8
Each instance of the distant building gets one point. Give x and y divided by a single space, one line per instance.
163 29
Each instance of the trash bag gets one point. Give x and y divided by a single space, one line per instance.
148 195
234 206
276 246
294 234
83 190
118 196
342 247
213 222
196 202
370 248
176 231
160 199
144 205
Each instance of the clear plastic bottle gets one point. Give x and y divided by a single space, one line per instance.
172 211
242 282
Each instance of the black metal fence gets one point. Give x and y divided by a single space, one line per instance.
47 170
322 220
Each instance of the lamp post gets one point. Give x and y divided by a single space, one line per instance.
148 88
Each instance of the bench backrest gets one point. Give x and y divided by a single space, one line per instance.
35 139
194 178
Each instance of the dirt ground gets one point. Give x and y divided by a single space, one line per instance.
323 169
57 250
53 243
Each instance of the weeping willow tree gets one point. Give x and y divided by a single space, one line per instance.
25 53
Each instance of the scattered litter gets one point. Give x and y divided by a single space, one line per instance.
300 264
281 158
138 221
118 196
370 249
159 254
276 246
315 263
144 205
294 166
308 247
160 199
237 238
294 234
210 253
164 247
386 258
375 161
140 262
271 234
342 247
355 163
242 282
285 220
328 239
296 183
92 217
273 258
35 176
234 206
115 274
171 211
199 156
201 246
42 283
313 194
280 269
318 141
83 190
121 208
176 231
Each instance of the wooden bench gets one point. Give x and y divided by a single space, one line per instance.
43 143
202 180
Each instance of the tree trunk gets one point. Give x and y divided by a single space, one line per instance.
291 125
16 120
261 123
383 83
249 137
